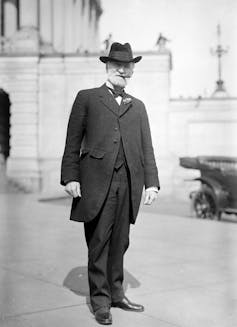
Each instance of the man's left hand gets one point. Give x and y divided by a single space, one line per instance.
150 196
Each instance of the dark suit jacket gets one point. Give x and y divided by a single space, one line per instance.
96 126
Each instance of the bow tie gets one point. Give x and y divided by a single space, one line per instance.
117 93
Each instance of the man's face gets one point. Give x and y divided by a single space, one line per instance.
119 72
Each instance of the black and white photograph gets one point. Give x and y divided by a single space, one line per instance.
118 163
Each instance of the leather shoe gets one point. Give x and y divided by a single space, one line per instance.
103 316
127 305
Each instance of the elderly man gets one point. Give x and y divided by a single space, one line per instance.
107 161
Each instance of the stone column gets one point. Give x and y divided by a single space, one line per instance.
78 30
10 17
29 13
92 30
85 26
46 23
96 33
58 25
93 27
26 39
70 31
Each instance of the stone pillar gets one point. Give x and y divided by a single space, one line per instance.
59 25
85 26
89 26
69 18
26 39
10 18
46 25
93 26
92 30
78 29
96 33
29 13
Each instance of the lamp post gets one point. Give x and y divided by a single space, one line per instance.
219 52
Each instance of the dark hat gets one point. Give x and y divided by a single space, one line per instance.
120 52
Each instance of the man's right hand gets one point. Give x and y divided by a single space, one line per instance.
73 189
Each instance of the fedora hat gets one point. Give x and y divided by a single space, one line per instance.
121 53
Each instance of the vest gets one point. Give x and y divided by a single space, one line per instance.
121 159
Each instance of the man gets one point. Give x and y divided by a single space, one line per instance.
108 159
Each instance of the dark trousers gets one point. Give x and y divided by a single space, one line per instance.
107 238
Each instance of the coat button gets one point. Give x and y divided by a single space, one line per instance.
115 128
115 141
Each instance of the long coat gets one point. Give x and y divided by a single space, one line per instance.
96 126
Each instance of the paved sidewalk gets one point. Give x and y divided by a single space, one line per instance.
183 270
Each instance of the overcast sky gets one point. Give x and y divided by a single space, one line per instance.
191 27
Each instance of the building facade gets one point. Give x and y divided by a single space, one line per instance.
49 26
201 126
49 51
37 40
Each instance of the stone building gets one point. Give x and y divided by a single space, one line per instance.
49 26
49 51
201 126
204 125
41 41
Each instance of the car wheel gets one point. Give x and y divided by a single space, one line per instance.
204 205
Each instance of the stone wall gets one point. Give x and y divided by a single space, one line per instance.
19 78
203 127
200 127
42 90
62 78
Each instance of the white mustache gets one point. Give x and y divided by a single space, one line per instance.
124 76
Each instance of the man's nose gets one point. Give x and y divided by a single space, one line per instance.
121 69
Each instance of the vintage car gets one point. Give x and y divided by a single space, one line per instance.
218 185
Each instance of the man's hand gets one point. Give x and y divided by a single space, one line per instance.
150 196
73 189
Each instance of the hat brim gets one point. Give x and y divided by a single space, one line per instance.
105 59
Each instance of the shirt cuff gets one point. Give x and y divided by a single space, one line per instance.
152 188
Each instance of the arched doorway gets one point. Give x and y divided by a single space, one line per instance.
4 125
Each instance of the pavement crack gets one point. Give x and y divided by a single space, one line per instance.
17 315
32 276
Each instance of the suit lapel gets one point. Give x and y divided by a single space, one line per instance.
126 103
108 100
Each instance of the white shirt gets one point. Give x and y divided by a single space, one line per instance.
118 98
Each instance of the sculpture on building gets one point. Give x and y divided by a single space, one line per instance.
161 43
107 43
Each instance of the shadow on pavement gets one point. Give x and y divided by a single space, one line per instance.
77 282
